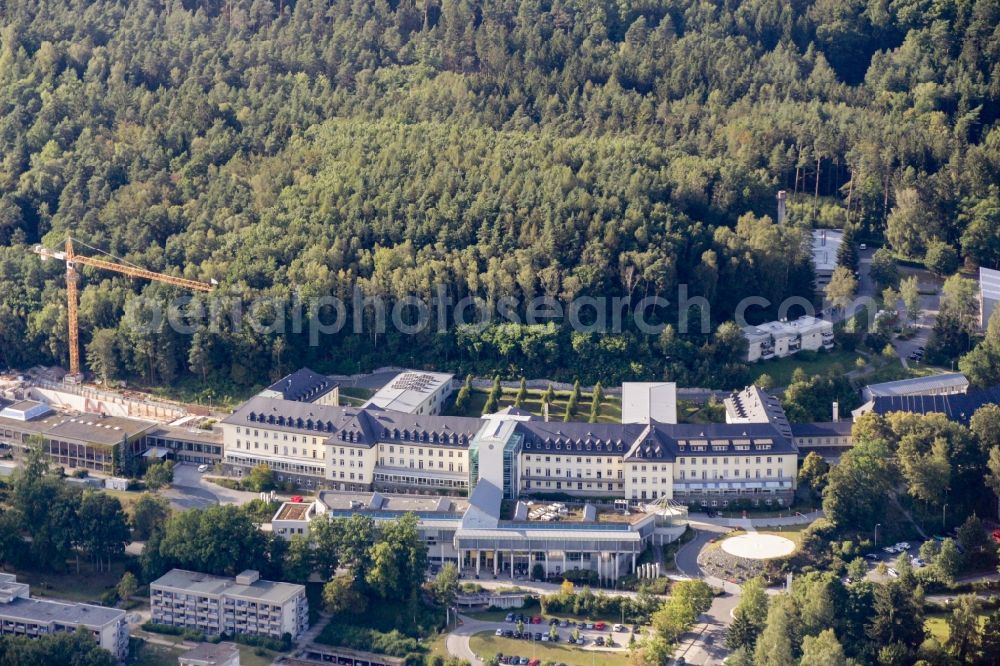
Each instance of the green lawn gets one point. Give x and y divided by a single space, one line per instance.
691 412
937 625
355 397
780 370
486 644
144 653
150 654
87 586
610 411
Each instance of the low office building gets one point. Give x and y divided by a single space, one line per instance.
185 443
23 616
478 536
96 442
943 384
778 339
304 385
241 605
956 406
414 392
825 248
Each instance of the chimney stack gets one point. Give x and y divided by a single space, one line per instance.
782 196
545 411
836 411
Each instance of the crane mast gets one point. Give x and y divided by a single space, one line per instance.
72 278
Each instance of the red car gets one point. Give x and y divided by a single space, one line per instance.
536 619
996 535
600 626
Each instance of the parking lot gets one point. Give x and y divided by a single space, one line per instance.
584 635
889 553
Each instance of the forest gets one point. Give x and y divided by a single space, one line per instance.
509 149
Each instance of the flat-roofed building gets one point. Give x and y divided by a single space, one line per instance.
646 402
23 616
941 384
989 295
241 605
83 441
414 392
187 443
305 385
778 339
825 248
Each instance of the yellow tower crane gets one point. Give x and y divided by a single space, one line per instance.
72 259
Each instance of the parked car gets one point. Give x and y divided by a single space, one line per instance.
538 636
545 638
872 556
618 627
590 625
202 468
893 573
600 626
509 618
599 641
554 622
564 623
537 619
524 661
499 632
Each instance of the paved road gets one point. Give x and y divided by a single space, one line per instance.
929 306
705 643
190 490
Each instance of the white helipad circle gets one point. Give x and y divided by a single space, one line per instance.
755 546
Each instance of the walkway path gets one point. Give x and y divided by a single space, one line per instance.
458 639
702 521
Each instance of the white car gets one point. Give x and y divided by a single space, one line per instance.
202 468
903 545
499 632
893 573
890 549
618 627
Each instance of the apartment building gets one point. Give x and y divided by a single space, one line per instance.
23 616
778 339
241 605
941 384
989 295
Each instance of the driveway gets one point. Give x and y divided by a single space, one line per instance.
705 643
190 490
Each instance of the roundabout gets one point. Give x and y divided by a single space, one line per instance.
756 546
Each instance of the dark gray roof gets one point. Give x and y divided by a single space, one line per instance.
611 439
45 611
303 385
666 441
825 429
355 426
957 406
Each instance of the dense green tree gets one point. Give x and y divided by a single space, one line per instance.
149 513
103 528
159 474
822 650
219 540
76 647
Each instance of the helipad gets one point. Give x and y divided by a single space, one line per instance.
755 546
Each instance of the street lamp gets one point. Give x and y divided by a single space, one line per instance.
877 525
